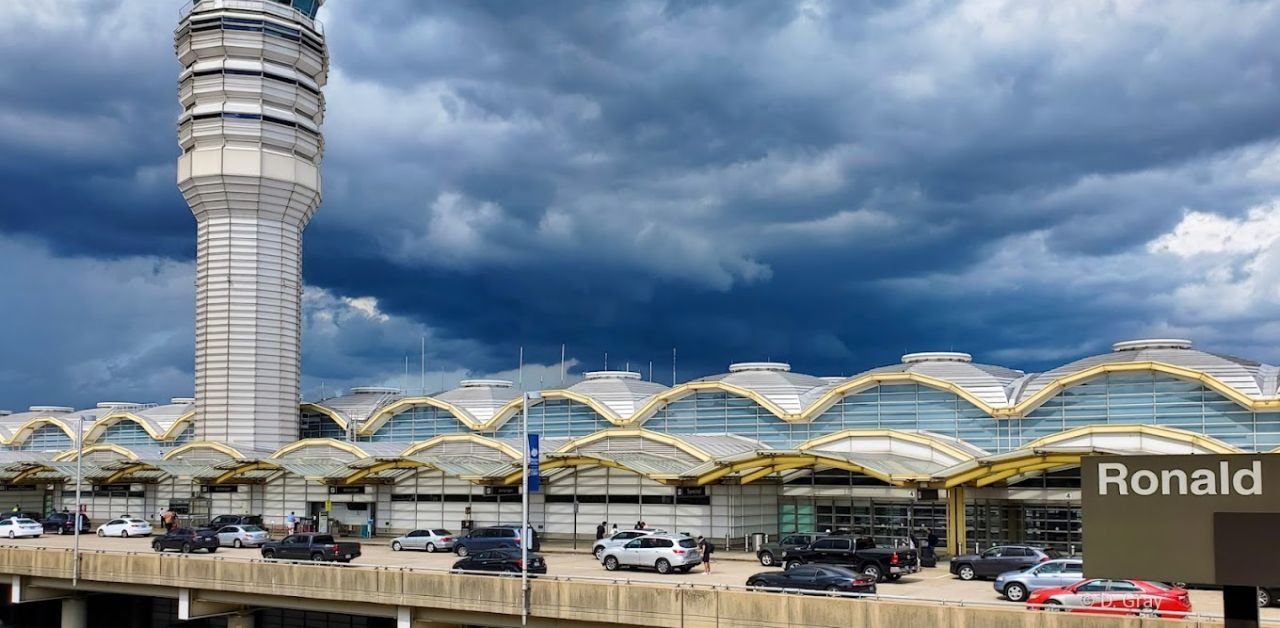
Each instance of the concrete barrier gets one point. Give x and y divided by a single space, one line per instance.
552 601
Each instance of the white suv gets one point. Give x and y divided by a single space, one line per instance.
662 552
618 539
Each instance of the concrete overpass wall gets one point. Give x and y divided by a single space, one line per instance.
445 598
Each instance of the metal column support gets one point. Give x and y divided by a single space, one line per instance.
74 614
957 536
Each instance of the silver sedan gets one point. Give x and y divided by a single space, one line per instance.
242 535
429 540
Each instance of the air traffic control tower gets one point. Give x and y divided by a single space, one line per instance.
250 85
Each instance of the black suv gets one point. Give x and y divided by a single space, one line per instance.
186 540
221 521
64 523
493 537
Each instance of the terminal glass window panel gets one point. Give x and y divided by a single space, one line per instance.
557 418
46 438
319 425
126 433
416 423
187 435
910 407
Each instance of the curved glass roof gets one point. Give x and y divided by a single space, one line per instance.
774 381
623 392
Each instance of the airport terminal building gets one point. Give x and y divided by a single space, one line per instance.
979 453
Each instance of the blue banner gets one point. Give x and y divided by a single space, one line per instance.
535 478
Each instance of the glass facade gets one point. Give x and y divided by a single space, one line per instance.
126 433
319 425
1149 399
46 438
415 424
911 407
555 418
710 412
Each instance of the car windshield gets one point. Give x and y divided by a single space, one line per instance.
252 529
687 542
441 532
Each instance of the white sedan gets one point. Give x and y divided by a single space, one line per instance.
14 527
125 527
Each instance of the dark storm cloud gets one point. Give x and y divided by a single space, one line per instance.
822 182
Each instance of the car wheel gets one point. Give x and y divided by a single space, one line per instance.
833 588
1147 611
101 533
395 546
758 584
431 548
317 556
966 572
1015 592
610 563
791 564
873 571
156 547
124 534
212 550
186 548
61 531
237 543
766 559
599 552
663 566
11 534
1264 598
461 550
268 554
1053 606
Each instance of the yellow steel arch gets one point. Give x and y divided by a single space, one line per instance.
656 437
506 449
223 448
790 460
329 412
512 408
385 465
320 442
582 460
107 421
26 429
937 444
70 454
1208 443
385 413
1181 372
178 425
246 467
128 470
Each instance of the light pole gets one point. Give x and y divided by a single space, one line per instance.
75 517
530 460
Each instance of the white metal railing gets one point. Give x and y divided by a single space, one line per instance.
265 6
1194 616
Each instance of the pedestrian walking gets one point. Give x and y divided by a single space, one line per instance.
292 522
600 530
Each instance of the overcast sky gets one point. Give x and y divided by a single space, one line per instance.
825 183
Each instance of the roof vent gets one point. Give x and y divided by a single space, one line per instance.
118 405
486 383
779 367
375 390
182 400
936 356
610 375
832 379
1151 343
51 409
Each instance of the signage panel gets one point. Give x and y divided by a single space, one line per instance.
502 490
535 479
1153 517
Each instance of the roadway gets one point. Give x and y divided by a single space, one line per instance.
930 584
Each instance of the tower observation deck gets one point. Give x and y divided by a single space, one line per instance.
252 71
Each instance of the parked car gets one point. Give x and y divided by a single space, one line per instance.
816 578
618 539
881 563
186 540
65 523
317 547
662 552
505 560
996 561
770 554
426 539
1267 597
240 535
1115 597
1016 585
493 537
221 521
14 527
125 527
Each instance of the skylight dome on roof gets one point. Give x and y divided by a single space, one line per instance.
936 356
739 367
486 383
594 375
1151 343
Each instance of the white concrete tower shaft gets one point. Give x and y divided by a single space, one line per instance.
252 71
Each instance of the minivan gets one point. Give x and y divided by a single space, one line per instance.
493 537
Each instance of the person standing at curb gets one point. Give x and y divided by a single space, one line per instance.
706 548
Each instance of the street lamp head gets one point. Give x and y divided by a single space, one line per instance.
533 395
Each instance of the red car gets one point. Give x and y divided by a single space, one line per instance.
1114 597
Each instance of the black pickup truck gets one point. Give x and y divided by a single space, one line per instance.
881 563
317 547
